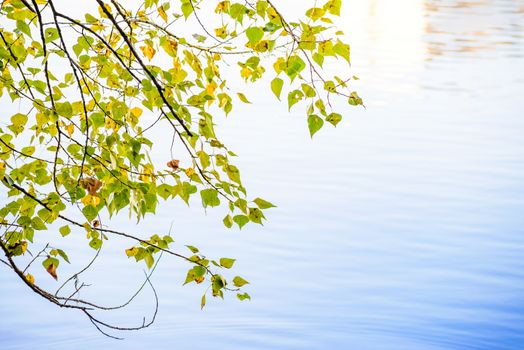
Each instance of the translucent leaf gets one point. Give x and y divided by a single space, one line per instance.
239 281
241 220
314 123
243 97
210 197
203 302
294 66
334 118
228 221
226 262
254 34
263 204
276 86
243 296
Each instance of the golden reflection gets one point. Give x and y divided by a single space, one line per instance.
405 32
388 32
472 27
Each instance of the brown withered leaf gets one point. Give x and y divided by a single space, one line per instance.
173 164
91 184
51 269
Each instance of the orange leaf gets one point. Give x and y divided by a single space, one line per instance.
148 51
51 269
173 164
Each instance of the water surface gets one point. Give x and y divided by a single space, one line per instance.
401 229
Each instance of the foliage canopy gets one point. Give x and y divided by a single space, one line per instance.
92 92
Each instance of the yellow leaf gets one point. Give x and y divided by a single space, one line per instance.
30 278
221 32
135 111
70 129
101 11
23 246
147 175
95 200
210 89
91 200
162 13
131 251
170 46
271 13
279 65
222 6
190 171
245 72
148 51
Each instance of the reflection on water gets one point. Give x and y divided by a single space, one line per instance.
402 229
473 27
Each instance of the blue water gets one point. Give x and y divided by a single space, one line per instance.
401 229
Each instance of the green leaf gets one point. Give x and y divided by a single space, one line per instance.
263 204
23 27
38 224
149 260
95 243
294 66
228 221
254 34
314 123
342 50
243 296
330 86
64 109
187 8
334 118
309 90
318 58
333 6
194 250
243 97
64 230
233 173
226 262
256 215
210 197
276 86
354 99
203 302
19 120
239 281
90 212
51 34
199 271
237 12
315 13
241 220
293 97
63 255
50 261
